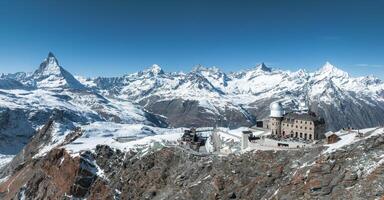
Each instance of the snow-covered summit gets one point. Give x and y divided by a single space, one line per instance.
329 70
51 75
49 66
155 70
247 93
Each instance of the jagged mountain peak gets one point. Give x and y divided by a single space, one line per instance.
263 67
51 75
299 73
328 66
50 65
156 69
330 70
153 70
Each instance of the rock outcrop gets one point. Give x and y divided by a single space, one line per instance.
353 172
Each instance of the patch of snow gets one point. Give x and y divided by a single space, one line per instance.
109 133
345 140
5 159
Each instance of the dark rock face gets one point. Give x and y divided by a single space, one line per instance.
354 172
188 113
350 113
39 140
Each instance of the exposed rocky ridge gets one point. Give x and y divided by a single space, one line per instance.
41 139
353 172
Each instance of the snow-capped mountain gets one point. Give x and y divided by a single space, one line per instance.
63 125
28 101
209 97
49 75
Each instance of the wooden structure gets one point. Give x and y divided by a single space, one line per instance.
332 137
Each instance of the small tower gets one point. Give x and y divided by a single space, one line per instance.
276 117
245 139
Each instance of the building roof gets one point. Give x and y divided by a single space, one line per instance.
303 116
329 133
339 133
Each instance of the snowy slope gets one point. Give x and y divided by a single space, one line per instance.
29 100
329 91
202 97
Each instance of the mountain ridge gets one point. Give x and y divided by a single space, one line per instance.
223 98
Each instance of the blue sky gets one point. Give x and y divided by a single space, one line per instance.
110 38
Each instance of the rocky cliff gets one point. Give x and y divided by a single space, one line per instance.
355 171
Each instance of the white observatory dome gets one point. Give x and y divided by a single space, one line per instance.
276 109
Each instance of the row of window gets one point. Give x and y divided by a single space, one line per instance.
300 121
300 135
287 125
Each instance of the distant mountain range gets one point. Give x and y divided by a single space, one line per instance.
202 97
210 97
60 133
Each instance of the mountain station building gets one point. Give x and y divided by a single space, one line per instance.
302 124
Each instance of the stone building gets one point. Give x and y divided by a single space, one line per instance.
300 124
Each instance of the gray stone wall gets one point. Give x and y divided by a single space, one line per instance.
275 125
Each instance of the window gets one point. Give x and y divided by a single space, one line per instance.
310 128
292 125
296 134
301 127
301 135
296 126
310 136
305 122
305 136
310 122
301 122
305 128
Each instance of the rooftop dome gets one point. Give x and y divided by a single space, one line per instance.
276 109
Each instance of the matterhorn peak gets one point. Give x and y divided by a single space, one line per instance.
51 75
263 67
51 55
49 66
52 59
